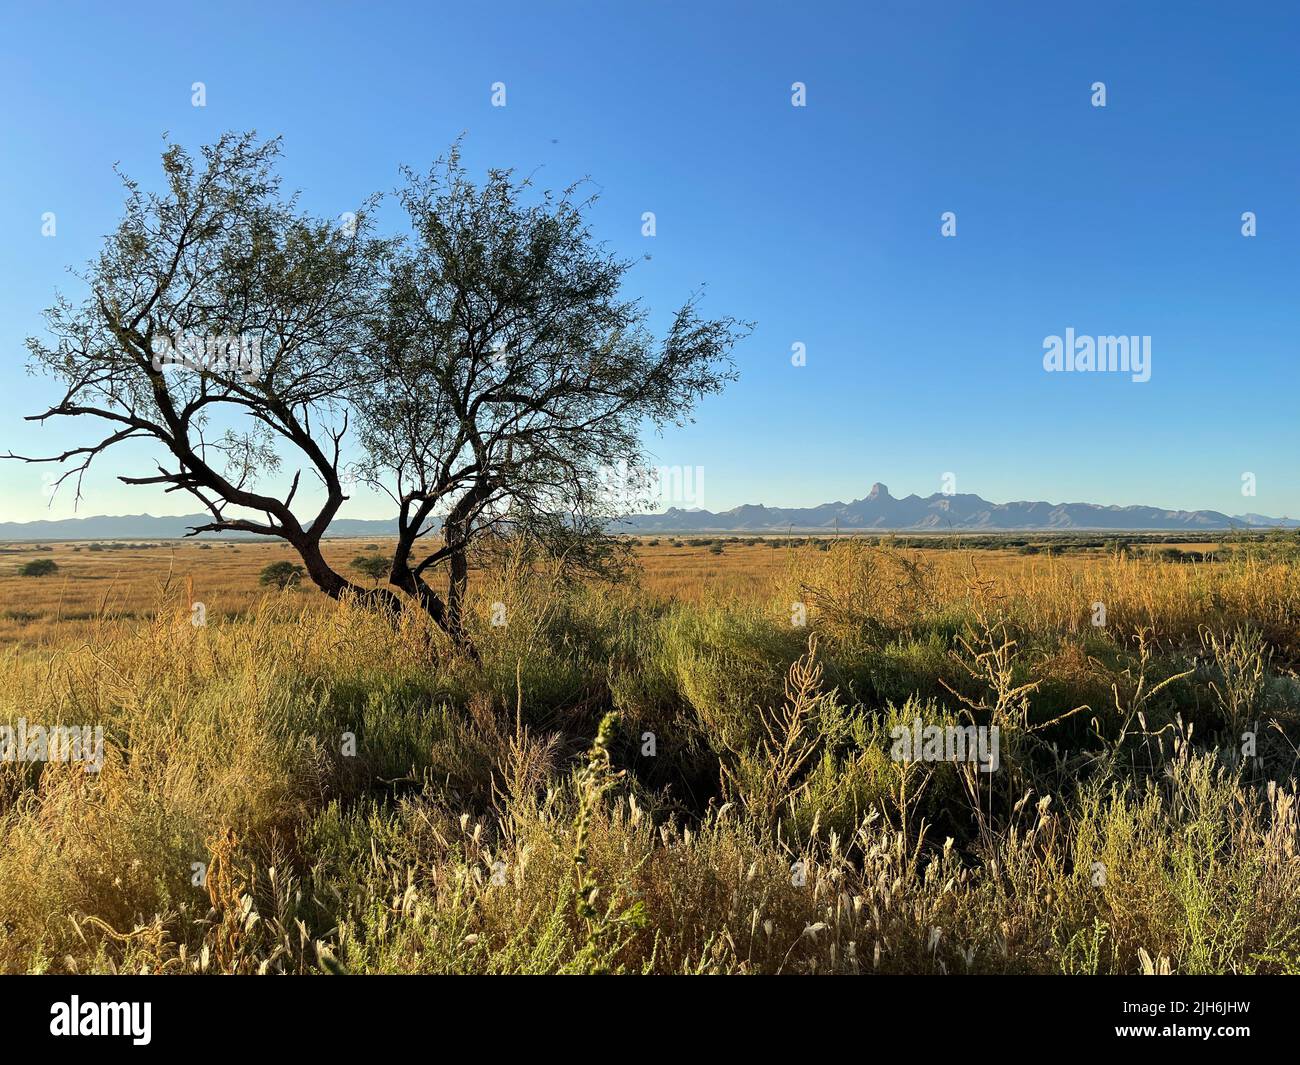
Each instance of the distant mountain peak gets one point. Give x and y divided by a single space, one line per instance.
878 512
881 512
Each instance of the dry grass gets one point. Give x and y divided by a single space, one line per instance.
358 799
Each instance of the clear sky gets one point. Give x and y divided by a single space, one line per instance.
821 223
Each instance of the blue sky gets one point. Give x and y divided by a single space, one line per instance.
821 223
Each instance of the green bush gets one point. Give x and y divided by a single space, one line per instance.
281 574
375 567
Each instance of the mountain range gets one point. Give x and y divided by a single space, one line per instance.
942 513
165 527
877 511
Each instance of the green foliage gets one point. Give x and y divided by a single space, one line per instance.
39 567
280 575
375 567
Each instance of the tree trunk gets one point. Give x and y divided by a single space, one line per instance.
458 581
447 616
336 586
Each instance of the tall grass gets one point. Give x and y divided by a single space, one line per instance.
629 783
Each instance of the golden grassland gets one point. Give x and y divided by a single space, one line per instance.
123 580
666 775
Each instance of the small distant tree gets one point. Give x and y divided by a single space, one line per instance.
281 574
485 363
40 567
375 567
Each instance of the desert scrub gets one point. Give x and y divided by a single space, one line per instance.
771 829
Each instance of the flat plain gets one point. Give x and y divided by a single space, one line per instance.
694 770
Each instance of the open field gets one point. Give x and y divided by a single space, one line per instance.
123 579
695 771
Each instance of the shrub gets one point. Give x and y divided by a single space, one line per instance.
281 574
375 567
40 567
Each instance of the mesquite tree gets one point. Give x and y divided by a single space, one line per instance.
483 368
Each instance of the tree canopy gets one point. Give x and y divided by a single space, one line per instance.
483 367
